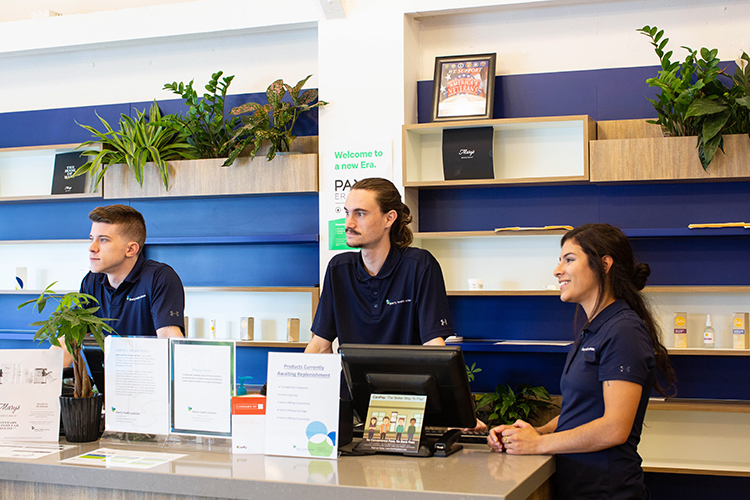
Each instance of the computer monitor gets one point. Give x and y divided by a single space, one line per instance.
438 372
95 360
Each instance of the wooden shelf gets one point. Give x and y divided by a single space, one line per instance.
51 198
40 242
43 147
521 181
677 232
38 163
708 405
634 151
697 289
701 351
544 150
281 344
273 289
728 469
487 234
294 173
503 293
234 239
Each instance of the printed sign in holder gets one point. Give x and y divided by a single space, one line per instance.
202 375
393 424
136 399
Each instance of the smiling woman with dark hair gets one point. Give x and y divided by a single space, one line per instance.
608 374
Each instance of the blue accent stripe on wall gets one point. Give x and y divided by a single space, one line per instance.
58 126
603 94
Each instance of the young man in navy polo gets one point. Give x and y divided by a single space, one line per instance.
388 292
145 297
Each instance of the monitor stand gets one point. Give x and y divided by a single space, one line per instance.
445 446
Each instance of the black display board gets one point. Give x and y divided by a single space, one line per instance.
65 166
467 153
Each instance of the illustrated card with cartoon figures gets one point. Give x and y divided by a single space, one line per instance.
394 423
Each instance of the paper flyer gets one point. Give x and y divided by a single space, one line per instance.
129 459
136 371
394 423
31 451
302 413
202 378
30 387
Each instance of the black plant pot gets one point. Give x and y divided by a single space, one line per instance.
81 417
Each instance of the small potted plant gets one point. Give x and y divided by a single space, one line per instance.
72 321
505 405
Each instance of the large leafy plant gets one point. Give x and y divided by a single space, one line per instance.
505 406
72 320
693 99
140 140
273 121
205 125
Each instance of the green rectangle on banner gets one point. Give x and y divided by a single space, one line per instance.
337 235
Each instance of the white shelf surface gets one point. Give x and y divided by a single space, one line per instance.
63 261
523 149
270 309
696 442
520 263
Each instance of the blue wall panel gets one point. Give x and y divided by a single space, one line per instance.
503 317
516 368
483 209
224 216
603 94
58 126
241 265
46 221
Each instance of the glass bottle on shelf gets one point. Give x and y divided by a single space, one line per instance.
709 335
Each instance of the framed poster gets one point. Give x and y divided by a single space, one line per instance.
463 87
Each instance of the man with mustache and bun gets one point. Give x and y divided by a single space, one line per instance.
388 292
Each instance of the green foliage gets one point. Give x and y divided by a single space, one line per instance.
72 320
273 121
137 142
471 371
205 125
694 101
505 405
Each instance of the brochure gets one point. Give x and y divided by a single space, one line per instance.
202 377
136 371
394 423
302 414
30 387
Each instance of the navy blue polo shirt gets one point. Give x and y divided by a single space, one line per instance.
405 303
615 346
149 298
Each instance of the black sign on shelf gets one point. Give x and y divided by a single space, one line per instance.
65 166
467 153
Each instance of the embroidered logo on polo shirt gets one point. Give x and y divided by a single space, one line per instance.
396 302
584 349
133 299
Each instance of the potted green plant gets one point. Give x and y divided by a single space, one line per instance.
274 121
205 126
505 405
694 101
72 321
145 139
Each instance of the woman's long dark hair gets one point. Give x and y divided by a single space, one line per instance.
625 279
388 198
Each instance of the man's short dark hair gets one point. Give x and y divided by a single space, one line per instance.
131 222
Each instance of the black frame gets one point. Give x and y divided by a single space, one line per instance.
483 62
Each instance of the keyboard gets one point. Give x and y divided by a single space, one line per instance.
469 436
